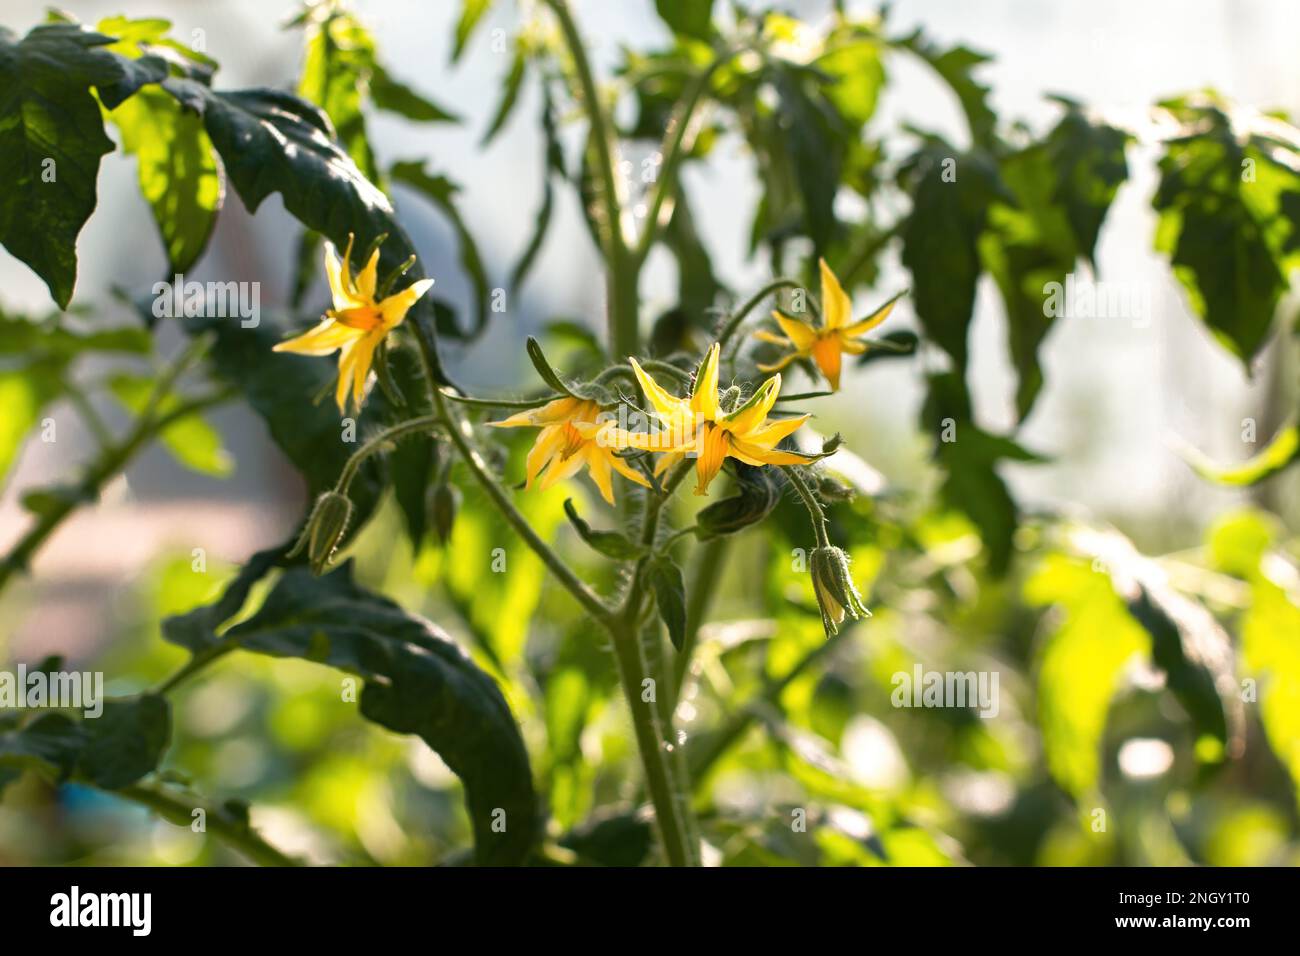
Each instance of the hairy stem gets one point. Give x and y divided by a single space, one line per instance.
660 757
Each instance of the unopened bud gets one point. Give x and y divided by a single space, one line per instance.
325 529
837 595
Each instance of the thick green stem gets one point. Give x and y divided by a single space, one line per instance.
660 756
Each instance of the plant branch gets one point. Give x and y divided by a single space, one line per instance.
110 460
739 316
217 820
479 469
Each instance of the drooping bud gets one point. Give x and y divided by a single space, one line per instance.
837 595
325 529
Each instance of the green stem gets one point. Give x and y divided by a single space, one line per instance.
660 757
810 501
622 266
739 316
479 469
424 423
703 756
673 151
217 821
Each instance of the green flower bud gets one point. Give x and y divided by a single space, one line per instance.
325 529
837 595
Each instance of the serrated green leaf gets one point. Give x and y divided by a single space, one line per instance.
417 681
273 142
52 139
176 165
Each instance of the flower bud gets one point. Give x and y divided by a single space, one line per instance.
837 595
325 529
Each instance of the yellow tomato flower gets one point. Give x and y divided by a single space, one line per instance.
826 345
561 449
700 426
357 324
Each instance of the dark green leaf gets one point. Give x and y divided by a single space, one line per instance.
956 67
951 194
1223 201
612 544
417 681
665 579
50 744
1088 160
392 96
126 742
688 17
271 141
756 495
52 138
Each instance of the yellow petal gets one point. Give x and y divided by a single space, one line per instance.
367 278
871 321
750 415
339 275
704 399
664 404
345 375
777 365
599 470
715 446
765 336
561 469
837 308
774 431
826 352
800 333
362 358
548 443
557 410
626 470
752 454
395 307
323 339
667 461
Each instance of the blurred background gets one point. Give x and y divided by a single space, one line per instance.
1118 395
